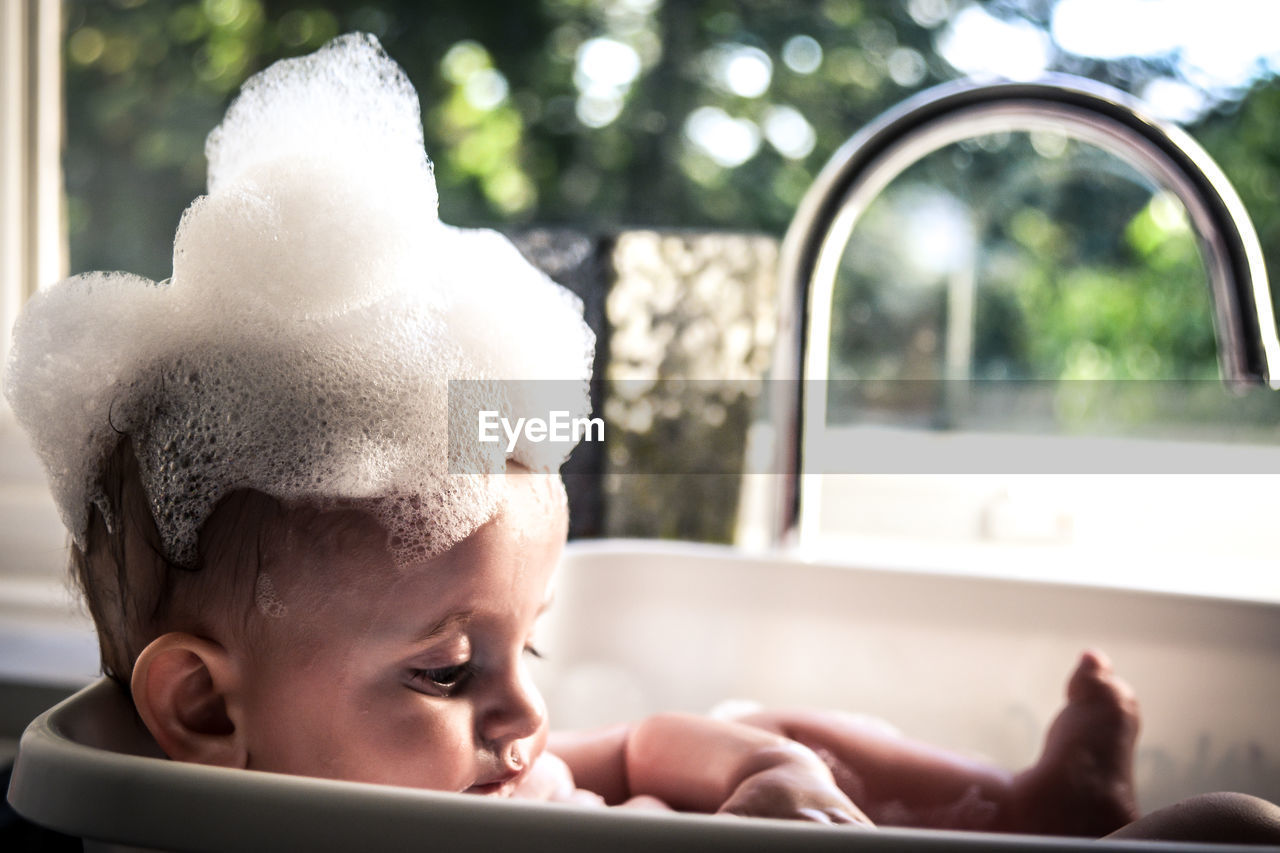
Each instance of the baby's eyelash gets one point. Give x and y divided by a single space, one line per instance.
444 681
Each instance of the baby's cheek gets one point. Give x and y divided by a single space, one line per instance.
429 743
287 731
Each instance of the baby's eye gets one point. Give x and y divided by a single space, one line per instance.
531 650
443 681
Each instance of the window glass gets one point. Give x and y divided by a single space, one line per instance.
1053 285
1021 358
621 114
1023 255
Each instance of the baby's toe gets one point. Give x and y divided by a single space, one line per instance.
1095 682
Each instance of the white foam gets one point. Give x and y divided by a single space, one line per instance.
302 347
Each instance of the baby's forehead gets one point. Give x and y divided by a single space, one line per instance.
335 529
536 491
326 549
349 541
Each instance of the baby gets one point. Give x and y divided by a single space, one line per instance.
299 558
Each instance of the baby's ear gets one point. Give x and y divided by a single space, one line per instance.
184 688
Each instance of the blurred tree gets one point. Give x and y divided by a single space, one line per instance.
604 114
585 112
560 111
1244 138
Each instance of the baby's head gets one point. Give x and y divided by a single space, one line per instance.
413 675
300 645
291 540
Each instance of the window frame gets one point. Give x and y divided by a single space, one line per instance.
45 637
33 241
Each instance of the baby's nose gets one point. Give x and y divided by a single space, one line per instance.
514 711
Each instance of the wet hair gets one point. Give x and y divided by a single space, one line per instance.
135 593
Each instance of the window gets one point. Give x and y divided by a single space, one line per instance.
32 251
621 116
1009 298
43 636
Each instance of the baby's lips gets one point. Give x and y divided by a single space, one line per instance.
505 776
504 783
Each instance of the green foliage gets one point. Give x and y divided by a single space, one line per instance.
1147 317
1244 139
146 80
1070 288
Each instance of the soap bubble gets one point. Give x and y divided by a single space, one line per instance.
304 344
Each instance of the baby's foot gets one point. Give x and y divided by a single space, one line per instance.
1083 782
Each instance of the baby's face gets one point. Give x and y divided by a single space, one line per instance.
413 676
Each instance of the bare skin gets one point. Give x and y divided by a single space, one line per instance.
1082 783
691 763
1220 818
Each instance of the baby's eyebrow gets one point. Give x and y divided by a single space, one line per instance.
546 605
453 620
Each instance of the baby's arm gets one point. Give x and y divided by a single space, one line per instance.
699 764
896 780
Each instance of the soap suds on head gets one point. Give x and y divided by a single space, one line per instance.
304 343
266 599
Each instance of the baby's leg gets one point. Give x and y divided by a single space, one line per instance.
1212 818
1081 785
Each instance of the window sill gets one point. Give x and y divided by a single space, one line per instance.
1121 567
